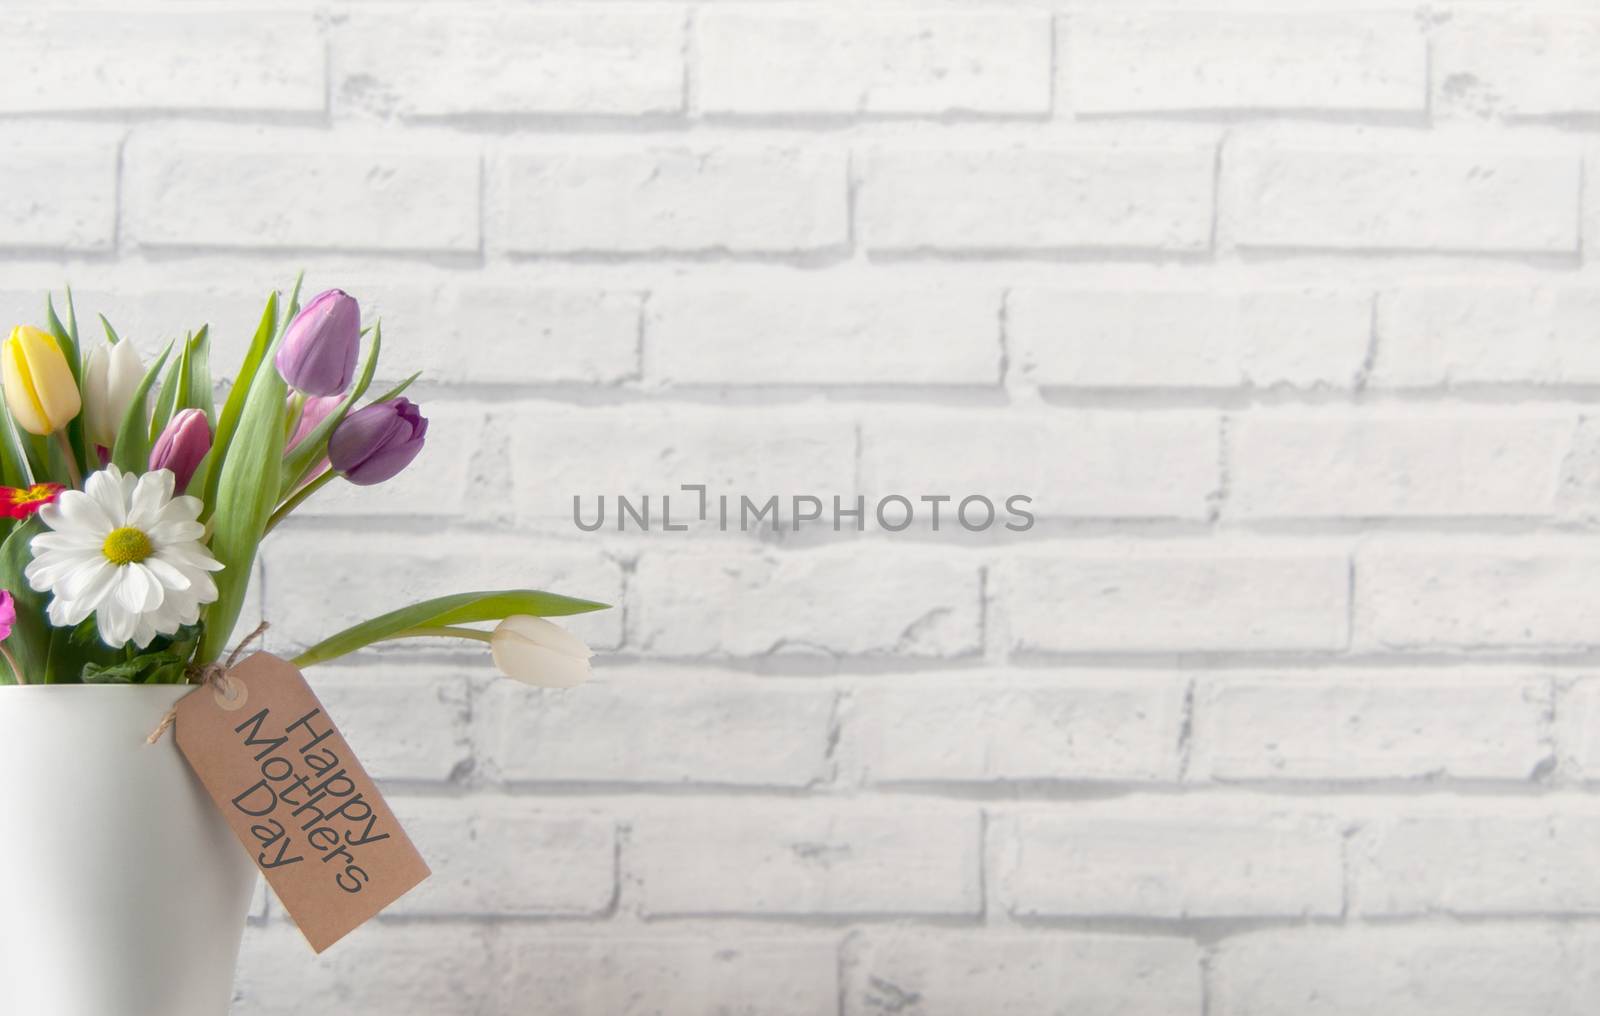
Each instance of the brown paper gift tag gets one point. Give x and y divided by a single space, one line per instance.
298 799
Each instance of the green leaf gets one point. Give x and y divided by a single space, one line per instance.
167 400
67 659
64 336
315 444
459 608
132 452
201 396
293 306
30 635
117 673
15 469
247 479
182 390
72 319
233 407
67 338
164 664
198 393
111 333
87 633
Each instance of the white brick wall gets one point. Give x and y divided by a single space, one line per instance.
1285 314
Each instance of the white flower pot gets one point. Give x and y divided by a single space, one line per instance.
122 890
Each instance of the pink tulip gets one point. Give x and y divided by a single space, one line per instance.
316 409
181 446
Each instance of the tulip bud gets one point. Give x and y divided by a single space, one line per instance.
536 652
182 445
375 443
110 378
318 354
40 389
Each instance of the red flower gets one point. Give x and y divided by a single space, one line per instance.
20 502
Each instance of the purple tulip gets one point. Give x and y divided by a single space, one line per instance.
318 354
182 445
375 443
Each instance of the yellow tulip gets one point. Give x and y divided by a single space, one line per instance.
40 390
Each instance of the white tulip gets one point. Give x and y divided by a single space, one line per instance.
536 652
110 377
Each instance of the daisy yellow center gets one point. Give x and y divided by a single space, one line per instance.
127 546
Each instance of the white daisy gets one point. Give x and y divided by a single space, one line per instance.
127 551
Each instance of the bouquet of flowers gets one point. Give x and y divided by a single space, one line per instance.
134 503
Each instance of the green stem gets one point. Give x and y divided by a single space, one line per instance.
443 631
306 659
298 499
71 457
11 661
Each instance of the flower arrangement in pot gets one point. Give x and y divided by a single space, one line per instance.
132 507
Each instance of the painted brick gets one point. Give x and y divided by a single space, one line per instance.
1174 599
1518 63
1083 464
61 197
807 248
379 968
305 193
1175 61
676 976
1402 199
1517 858
1036 200
626 60
816 858
516 335
1167 861
1066 726
563 864
673 200
1486 334
1360 726
1336 463
1578 719
958 973
844 601
1474 595
67 61
1427 970
671 728
1156 859
1121 338
885 61
820 335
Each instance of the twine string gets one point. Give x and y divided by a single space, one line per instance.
215 675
